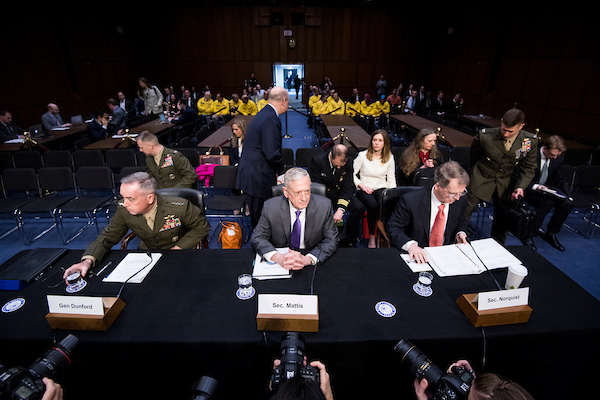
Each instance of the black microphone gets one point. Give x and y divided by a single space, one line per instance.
149 254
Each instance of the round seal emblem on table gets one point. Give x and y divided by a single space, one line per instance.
13 305
385 309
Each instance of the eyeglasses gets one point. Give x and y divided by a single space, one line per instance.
456 195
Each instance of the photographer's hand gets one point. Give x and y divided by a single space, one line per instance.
420 388
462 363
325 380
53 390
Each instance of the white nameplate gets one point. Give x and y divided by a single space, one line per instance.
502 298
75 305
288 304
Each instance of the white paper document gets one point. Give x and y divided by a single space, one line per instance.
12 141
462 259
414 265
133 268
132 135
269 270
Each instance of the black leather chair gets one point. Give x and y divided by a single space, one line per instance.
389 201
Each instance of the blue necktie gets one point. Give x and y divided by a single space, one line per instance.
544 174
295 240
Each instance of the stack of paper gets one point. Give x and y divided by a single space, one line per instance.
133 268
269 270
469 259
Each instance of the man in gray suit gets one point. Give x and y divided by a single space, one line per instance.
119 116
311 229
52 118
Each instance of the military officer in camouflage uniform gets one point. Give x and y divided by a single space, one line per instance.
161 222
503 163
169 167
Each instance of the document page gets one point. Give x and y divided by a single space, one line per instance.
492 253
269 270
451 261
134 266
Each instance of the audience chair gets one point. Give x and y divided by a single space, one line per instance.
461 155
82 142
194 196
96 192
397 153
87 158
389 200
58 158
224 179
576 157
288 158
20 186
130 170
57 186
304 155
28 159
116 159
586 197
445 151
192 155
6 161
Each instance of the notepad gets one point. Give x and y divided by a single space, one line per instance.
269 270
133 268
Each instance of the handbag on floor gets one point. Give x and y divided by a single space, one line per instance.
231 235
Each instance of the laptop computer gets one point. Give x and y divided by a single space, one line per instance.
76 120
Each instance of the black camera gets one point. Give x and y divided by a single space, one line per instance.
204 388
443 386
292 361
26 383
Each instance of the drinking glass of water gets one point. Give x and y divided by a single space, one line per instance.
423 285
245 290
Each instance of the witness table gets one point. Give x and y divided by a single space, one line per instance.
352 130
51 140
184 321
452 137
156 127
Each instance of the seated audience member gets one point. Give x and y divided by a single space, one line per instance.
299 220
126 104
380 107
182 224
316 96
169 167
485 386
204 105
549 175
421 154
248 107
187 115
412 103
366 105
353 105
52 118
220 109
118 121
373 172
98 128
321 106
235 104
336 106
238 128
431 217
259 93
264 101
189 99
8 129
333 170
438 106
394 99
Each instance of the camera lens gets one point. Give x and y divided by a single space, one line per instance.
292 348
56 359
418 363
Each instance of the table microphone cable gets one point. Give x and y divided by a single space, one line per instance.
312 280
149 254
485 266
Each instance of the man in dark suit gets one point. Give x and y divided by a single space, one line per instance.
427 218
187 115
311 228
98 128
262 161
549 176
503 164
119 116
8 129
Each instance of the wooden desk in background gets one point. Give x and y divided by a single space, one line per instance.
450 136
222 135
51 140
352 131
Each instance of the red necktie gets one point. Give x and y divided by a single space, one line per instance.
437 231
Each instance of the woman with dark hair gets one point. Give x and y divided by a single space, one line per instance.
420 154
151 96
238 127
485 386
374 171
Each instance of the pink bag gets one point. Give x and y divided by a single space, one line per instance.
206 172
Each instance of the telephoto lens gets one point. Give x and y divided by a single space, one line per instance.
204 388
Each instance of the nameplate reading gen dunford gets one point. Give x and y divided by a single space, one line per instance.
287 304
502 298
75 305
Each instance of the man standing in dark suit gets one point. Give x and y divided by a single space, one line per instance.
8 129
298 220
427 218
262 161
550 189
503 164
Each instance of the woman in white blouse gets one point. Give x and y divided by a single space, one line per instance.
374 171
238 128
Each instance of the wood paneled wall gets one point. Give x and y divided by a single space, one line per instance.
548 64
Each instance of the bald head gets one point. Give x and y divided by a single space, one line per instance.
279 98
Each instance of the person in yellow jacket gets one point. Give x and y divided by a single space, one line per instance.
263 102
321 106
220 106
336 106
314 98
248 107
380 107
235 104
204 105
366 105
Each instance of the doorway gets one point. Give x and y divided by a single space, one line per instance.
287 75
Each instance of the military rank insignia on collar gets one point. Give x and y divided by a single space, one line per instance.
171 222
168 162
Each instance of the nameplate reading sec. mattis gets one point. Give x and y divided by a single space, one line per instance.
502 298
287 304
82 305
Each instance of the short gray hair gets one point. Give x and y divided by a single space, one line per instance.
148 137
294 174
451 170
147 183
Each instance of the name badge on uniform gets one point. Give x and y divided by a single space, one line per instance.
171 222
168 162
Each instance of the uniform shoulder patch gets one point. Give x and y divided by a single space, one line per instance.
177 203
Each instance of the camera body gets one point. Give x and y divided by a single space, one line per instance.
454 385
292 361
26 383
